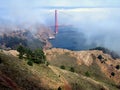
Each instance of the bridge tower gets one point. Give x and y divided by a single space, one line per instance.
56 22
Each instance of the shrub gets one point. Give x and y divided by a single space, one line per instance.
38 56
113 54
62 67
113 74
21 51
47 63
0 60
59 88
102 88
118 86
117 67
100 57
87 74
37 61
30 63
72 69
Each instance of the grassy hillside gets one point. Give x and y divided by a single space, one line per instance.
15 74
98 70
27 77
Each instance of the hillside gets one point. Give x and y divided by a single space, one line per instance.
15 74
92 63
32 36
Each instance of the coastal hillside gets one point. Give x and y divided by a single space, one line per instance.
67 70
32 36
91 63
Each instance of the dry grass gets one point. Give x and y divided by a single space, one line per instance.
94 71
43 77
27 77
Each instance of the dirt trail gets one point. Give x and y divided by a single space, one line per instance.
66 84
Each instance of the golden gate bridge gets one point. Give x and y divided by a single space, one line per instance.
56 26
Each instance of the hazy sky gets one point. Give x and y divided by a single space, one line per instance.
99 20
27 9
15 4
31 10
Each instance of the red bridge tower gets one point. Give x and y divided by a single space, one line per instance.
56 22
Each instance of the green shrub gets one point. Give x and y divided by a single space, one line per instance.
62 67
72 69
100 57
117 66
87 74
37 61
36 56
30 63
21 51
47 63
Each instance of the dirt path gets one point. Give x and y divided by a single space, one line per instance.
66 84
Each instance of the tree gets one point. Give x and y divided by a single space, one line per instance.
28 53
38 56
21 51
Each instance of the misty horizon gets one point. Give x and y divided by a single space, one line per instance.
97 20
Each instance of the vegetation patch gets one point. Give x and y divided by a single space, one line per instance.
0 60
113 54
12 42
117 67
30 63
87 74
100 57
47 63
59 88
62 67
112 73
72 69
37 56
27 77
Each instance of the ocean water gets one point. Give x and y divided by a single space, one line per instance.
70 38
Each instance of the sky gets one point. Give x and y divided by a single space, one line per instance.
56 3
27 9
98 19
